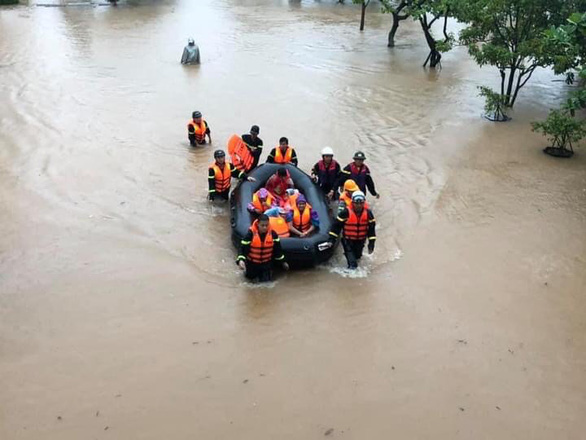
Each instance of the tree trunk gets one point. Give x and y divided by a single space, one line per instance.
364 5
434 56
393 30
397 18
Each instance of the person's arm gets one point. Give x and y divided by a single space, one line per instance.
294 160
271 157
344 175
278 254
185 56
371 231
370 185
211 183
338 225
244 248
294 230
208 132
314 219
314 171
236 173
197 54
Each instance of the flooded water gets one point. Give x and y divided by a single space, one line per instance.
122 313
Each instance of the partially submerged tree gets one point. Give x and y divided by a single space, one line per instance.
494 107
363 5
427 13
396 9
563 130
508 34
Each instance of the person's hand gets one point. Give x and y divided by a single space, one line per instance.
285 266
331 194
314 178
251 179
242 265
370 247
377 196
303 234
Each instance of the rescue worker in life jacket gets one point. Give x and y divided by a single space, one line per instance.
220 175
262 200
254 144
326 173
345 199
197 130
259 249
303 220
283 153
359 173
357 225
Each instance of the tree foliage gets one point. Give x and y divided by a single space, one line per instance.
508 34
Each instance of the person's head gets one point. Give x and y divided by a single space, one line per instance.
283 142
196 115
359 158
220 156
358 199
191 41
263 223
263 194
301 202
350 186
254 131
327 154
282 172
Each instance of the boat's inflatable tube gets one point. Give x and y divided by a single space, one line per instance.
299 252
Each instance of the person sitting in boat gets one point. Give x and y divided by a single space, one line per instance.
262 200
190 53
303 220
289 200
220 175
283 153
345 199
279 222
259 249
198 129
278 183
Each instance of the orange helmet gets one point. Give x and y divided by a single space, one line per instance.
350 185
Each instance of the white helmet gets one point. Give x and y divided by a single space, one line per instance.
327 151
358 196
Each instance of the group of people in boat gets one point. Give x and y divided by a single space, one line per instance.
280 210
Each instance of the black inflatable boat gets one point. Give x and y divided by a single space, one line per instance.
299 252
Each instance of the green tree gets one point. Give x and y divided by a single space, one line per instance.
508 34
397 11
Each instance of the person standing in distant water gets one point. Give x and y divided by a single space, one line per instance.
197 130
283 153
190 53
254 144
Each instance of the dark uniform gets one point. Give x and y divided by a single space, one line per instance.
360 175
356 230
327 176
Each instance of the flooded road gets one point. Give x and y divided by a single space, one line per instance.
122 313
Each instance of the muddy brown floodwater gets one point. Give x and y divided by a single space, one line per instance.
122 313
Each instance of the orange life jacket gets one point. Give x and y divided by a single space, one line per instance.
279 225
344 197
200 129
302 220
279 158
356 228
240 154
261 251
222 177
290 202
262 206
